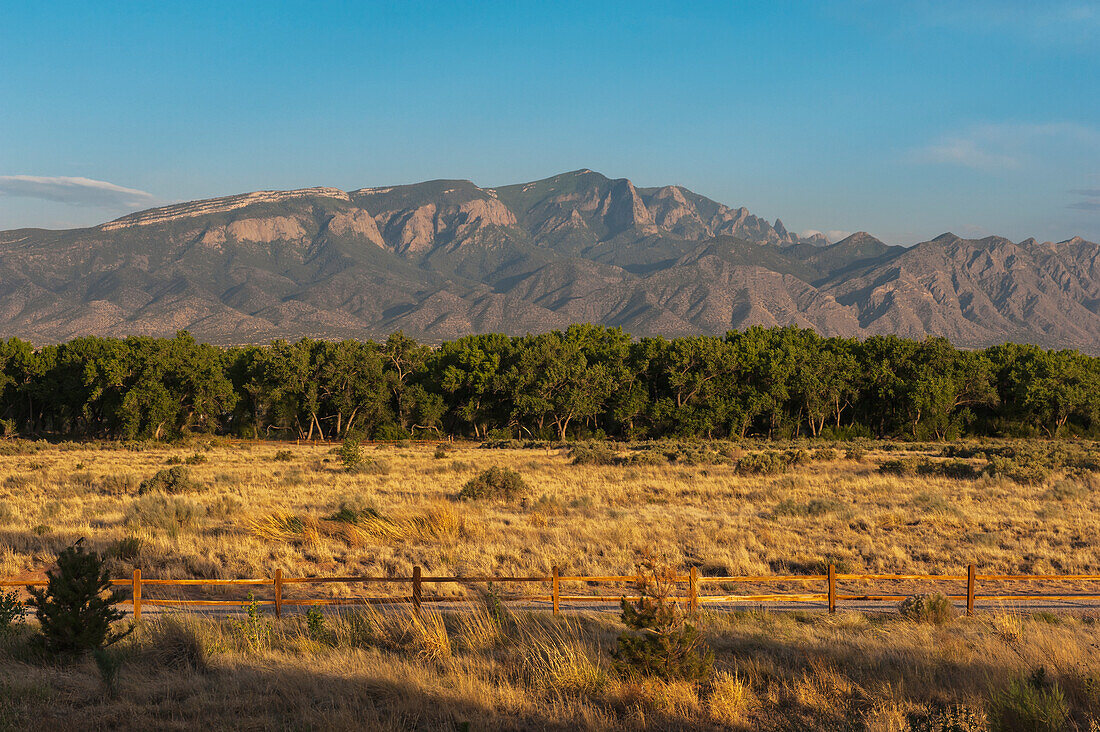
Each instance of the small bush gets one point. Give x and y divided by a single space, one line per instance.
1024 472
12 610
127 549
283 456
118 484
1034 703
935 609
814 507
178 642
369 466
162 512
798 457
957 469
660 641
594 454
947 718
76 609
172 481
1065 490
440 452
824 454
315 625
855 454
769 462
197 459
898 466
351 455
496 482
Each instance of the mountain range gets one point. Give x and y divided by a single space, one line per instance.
445 258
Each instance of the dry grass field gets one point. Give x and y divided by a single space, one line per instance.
245 509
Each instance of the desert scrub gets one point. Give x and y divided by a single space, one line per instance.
769 462
171 481
593 454
351 454
935 609
163 512
495 482
283 456
855 454
12 610
1025 471
1034 703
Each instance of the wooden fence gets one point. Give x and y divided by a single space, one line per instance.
830 594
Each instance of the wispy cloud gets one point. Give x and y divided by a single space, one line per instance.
1089 200
74 191
1005 146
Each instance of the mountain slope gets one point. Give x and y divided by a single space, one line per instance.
443 258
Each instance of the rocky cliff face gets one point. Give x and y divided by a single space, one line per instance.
445 258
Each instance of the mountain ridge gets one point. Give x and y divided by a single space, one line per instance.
444 258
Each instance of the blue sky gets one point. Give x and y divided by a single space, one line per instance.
902 119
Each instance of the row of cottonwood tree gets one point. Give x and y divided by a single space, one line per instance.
586 381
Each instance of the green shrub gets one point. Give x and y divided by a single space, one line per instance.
440 452
660 640
940 717
1034 703
76 609
496 482
935 609
824 454
898 466
1025 471
315 625
369 466
351 455
283 456
855 454
593 454
197 459
12 610
957 469
172 481
769 462
391 433
644 457
798 457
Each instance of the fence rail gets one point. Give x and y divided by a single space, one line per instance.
831 596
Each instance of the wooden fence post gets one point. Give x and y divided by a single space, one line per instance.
970 582
832 588
417 596
556 592
137 594
279 593
693 589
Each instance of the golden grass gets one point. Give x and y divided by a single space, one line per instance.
496 669
440 670
253 514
